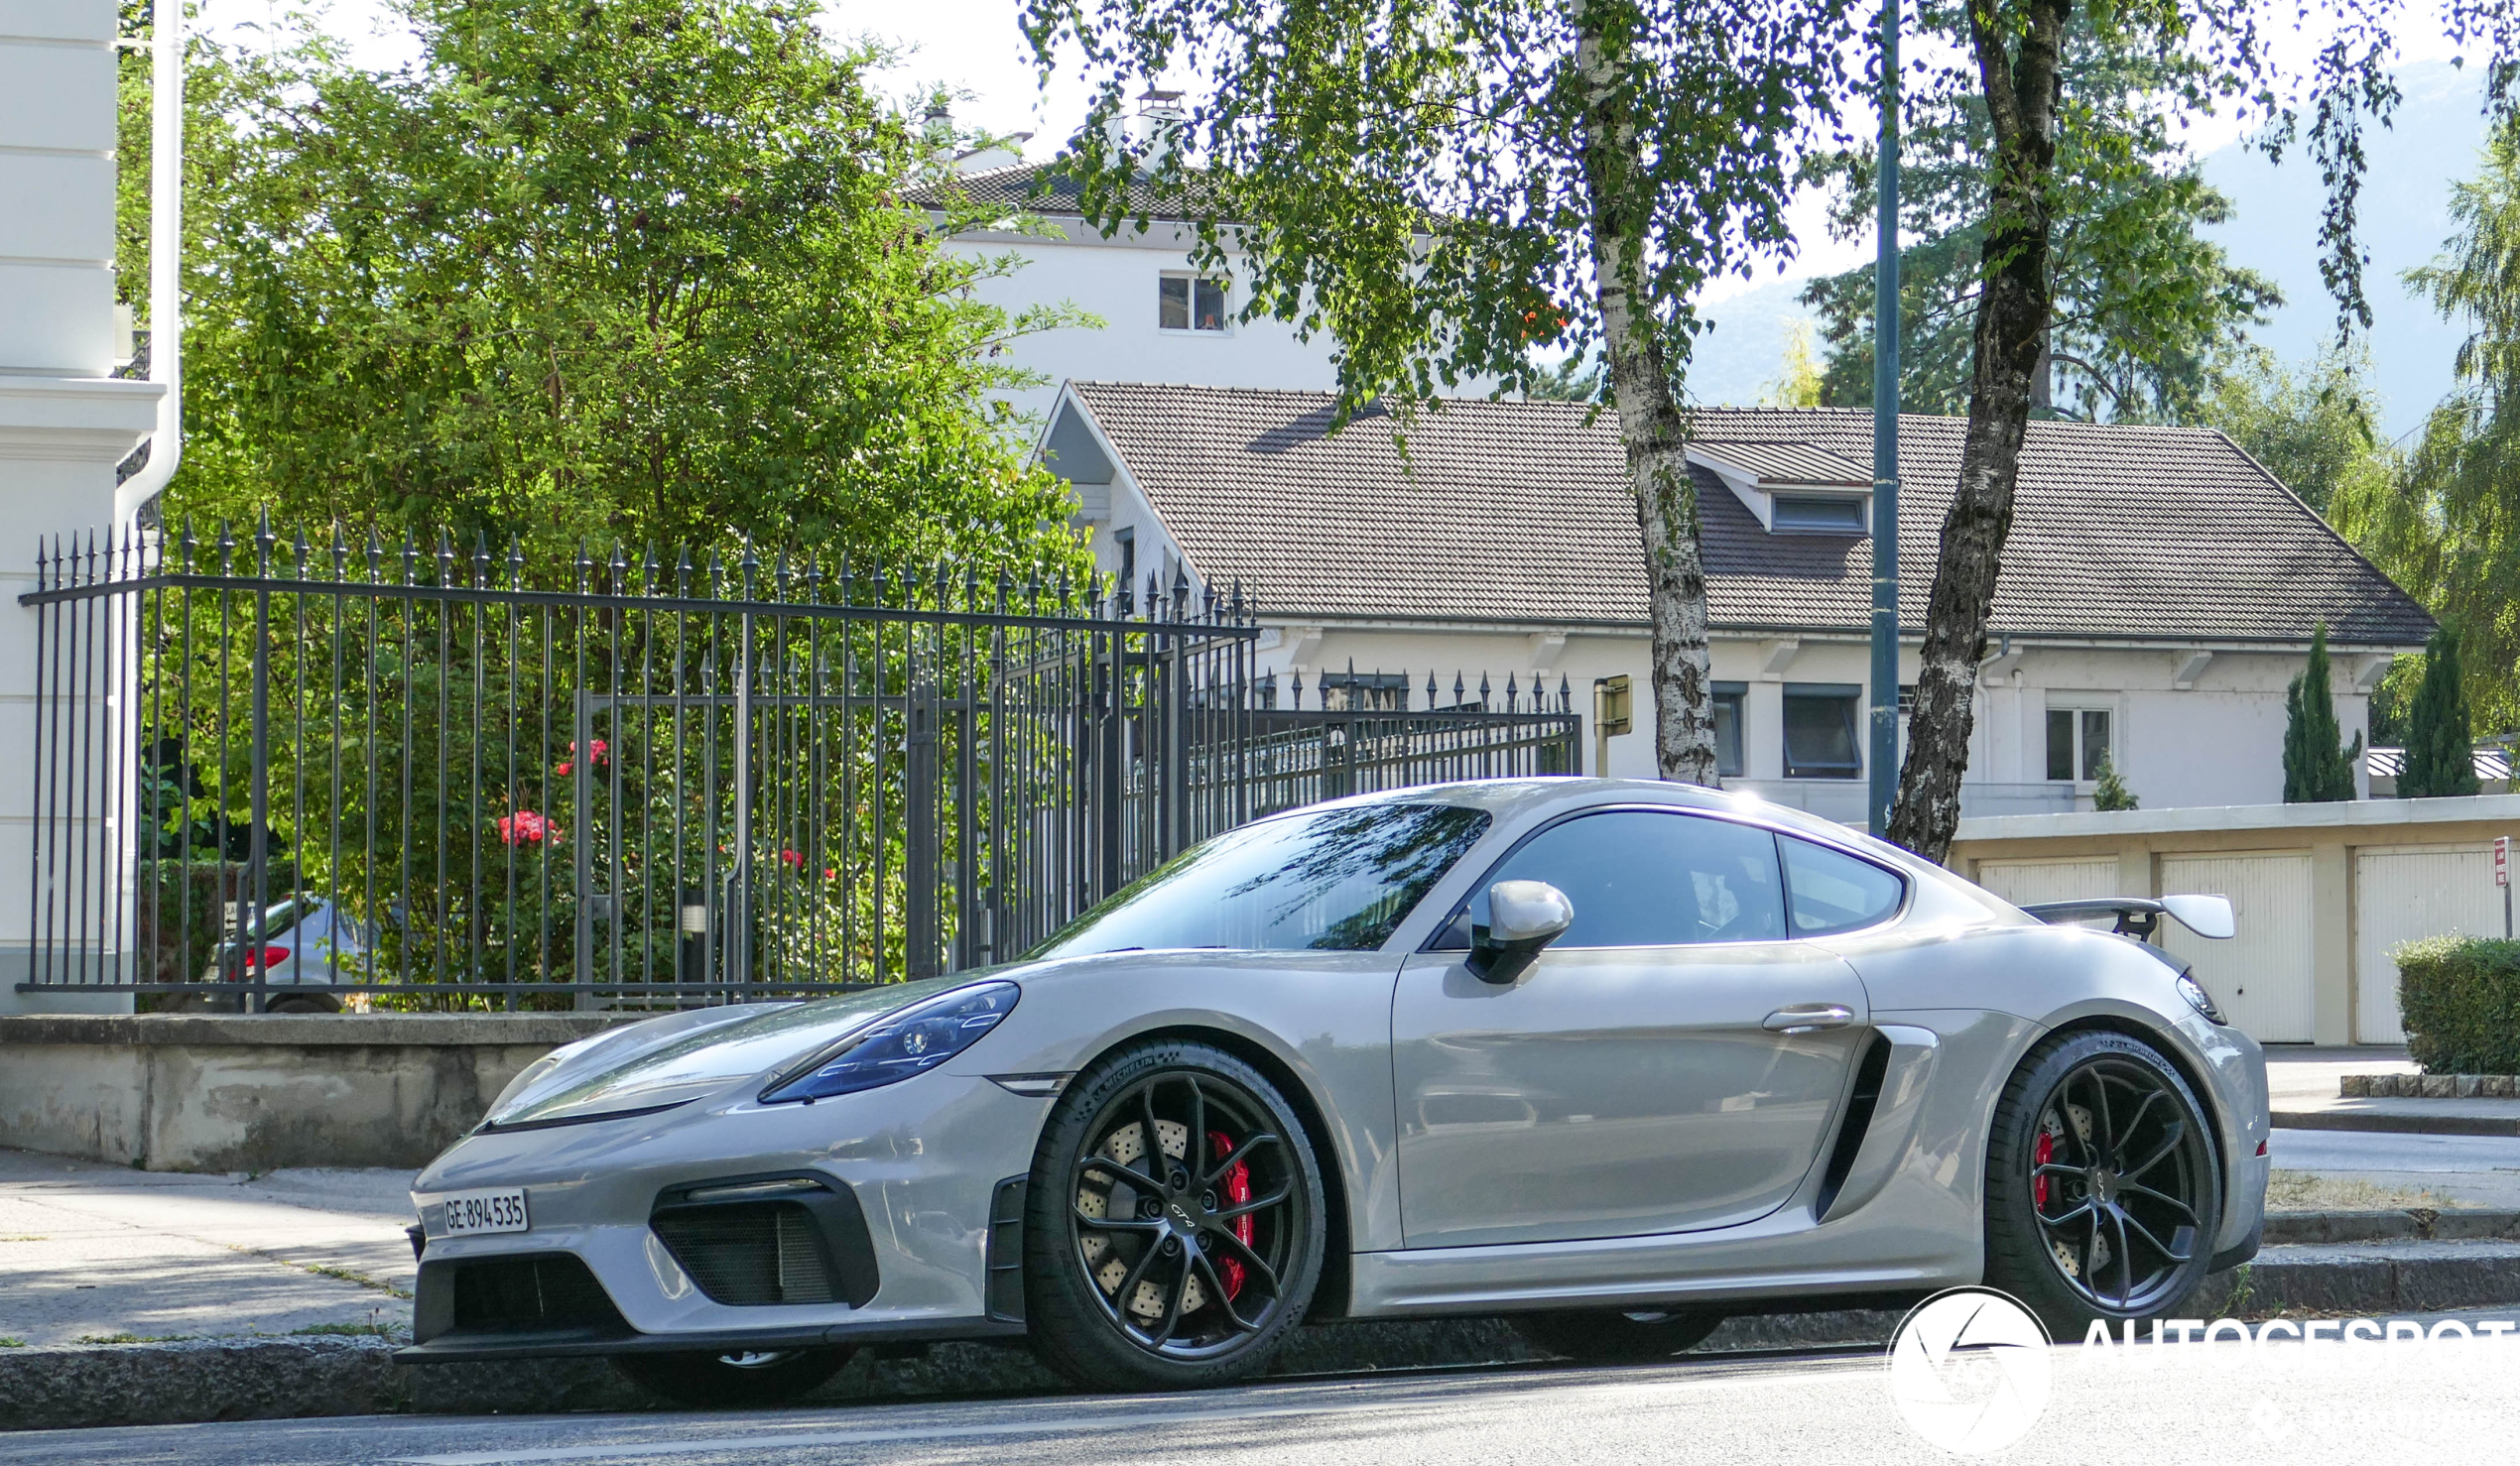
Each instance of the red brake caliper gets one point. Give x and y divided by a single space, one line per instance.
2044 1152
1237 1191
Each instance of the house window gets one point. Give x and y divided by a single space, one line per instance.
1127 541
1728 696
1813 514
1190 303
2078 742
1820 731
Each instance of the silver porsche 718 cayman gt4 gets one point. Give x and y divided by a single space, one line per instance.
1616 1059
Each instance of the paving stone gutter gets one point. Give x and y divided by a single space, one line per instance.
2372 1263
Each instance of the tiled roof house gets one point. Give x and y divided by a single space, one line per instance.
2159 586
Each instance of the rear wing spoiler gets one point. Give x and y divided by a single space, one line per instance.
2140 916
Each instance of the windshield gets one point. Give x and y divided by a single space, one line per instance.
1330 880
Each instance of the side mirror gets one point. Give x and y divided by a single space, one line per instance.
2206 916
1523 916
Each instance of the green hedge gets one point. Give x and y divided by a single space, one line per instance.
2460 996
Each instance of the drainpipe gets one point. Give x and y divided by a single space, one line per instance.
166 261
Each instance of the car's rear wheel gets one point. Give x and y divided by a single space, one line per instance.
1174 1223
2103 1195
1617 1336
729 1381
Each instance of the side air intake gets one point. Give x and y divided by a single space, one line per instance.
1858 1122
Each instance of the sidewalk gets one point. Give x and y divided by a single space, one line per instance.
2302 1085
91 1251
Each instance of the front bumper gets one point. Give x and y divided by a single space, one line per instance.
918 1162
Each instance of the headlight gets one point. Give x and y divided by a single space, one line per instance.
2197 998
911 1041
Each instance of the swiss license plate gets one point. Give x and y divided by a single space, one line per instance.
471 1213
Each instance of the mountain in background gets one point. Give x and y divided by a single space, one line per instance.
2437 135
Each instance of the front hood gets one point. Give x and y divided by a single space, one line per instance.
681 1058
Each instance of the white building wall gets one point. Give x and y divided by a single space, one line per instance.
1116 279
64 423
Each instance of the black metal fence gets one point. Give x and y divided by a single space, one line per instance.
273 773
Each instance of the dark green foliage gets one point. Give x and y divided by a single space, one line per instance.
2113 792
2439 758
638 272
2144 300
2316 769
2460 1001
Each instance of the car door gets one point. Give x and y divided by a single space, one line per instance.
1672 1062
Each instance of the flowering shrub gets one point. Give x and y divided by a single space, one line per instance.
526 827
600 751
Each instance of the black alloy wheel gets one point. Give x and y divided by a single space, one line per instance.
1617 1336
2103 1193
732 1381
1174 1230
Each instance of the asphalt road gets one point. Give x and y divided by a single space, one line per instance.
2436 1401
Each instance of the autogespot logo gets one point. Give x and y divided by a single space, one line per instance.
1969 1371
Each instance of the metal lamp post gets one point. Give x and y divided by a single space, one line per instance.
1883 755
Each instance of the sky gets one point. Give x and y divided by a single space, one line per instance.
973 49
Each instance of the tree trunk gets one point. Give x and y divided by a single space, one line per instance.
2013 314
1652 428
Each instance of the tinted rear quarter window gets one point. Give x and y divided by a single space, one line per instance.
1828 892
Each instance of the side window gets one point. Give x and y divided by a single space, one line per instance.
1828 892
1641 878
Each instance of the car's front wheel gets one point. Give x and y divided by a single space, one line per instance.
1617 1336
1174 1224
734 1380
2102 1190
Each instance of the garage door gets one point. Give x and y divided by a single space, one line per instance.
2027 881
2405 894
2262 977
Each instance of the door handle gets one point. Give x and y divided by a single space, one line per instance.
1808 1018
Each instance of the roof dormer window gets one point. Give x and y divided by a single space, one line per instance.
1794 488
1816 514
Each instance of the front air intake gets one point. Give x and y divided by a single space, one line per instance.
756 1252
754 1242
546 1293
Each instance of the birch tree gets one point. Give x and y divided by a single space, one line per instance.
1452 189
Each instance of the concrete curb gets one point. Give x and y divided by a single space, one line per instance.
280 1379
2417 1224
2395 1124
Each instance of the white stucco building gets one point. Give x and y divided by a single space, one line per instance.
1163 321
2158 594
66 421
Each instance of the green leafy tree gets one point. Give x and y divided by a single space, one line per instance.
2316 768
2448 527
642 271
2439 750
2143 302
2018 55
1448 187
2311 428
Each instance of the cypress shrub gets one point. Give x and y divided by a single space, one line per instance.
2316 769
2460 997
2440 760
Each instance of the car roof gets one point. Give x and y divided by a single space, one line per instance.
1509 797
